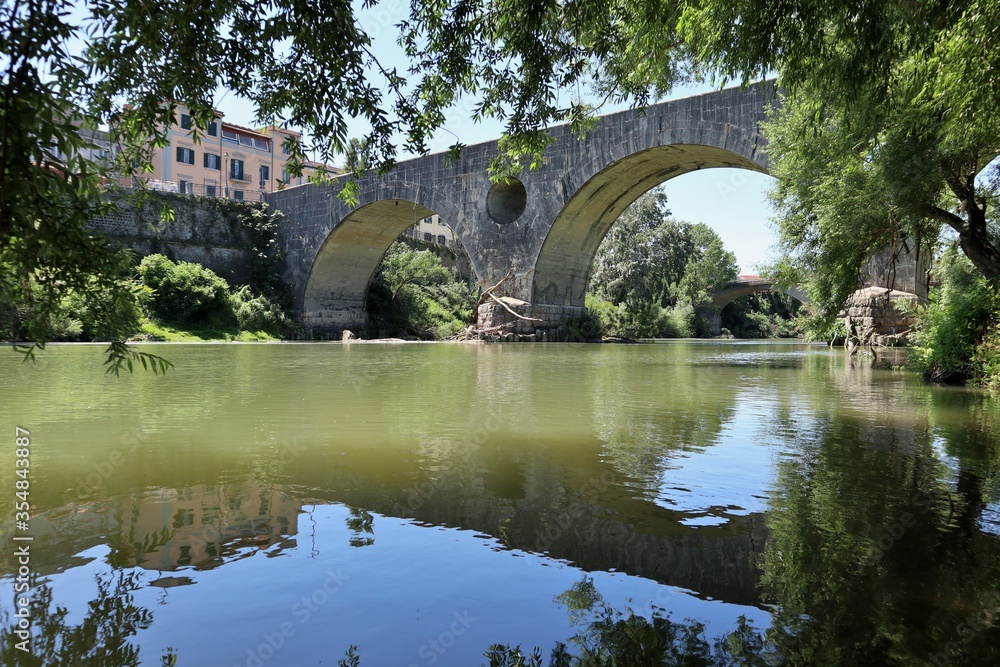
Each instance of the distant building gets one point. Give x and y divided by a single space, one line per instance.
433 230
227 160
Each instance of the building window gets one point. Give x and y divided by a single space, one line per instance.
441 239
238 194
230 135
185 187
262 144
185 155
428 237
209 190
286 147
236 170
265 176
185 121
213 161
213 129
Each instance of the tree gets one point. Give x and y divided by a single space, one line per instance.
709 268
643 255
886 129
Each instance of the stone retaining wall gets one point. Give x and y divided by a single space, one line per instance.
199 232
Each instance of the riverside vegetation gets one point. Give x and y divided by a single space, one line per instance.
650 274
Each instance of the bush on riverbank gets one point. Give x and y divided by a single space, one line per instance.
415 294
958 334
173 301
648 321
766 315
189 297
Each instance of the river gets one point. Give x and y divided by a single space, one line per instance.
277 504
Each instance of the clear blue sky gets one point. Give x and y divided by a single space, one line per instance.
731 201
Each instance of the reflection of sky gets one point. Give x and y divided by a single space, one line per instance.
989 522
413 584
730 478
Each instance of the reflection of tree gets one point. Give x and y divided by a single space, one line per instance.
100 640
645 414
360 524
580 599
870 557
622 637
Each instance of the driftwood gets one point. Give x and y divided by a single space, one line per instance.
488 294
512 312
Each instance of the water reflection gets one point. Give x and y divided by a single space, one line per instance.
850 513
105 635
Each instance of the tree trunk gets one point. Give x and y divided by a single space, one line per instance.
976 245
973 236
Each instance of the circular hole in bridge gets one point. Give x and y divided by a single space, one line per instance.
505 202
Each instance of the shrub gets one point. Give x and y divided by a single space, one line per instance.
415 293
963 315
681 322
184 291
257 312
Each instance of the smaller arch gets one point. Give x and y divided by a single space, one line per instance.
337 286
712 312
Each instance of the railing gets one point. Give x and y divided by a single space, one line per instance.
233 190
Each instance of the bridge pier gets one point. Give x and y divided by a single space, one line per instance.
712 315
544 317
332 313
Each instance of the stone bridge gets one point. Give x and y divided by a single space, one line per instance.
712 312
546 225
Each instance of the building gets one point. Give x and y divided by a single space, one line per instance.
227 160
433 230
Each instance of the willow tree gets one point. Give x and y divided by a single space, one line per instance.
887 129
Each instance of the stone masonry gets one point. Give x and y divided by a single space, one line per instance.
546 225
198 233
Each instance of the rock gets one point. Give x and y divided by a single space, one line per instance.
348 336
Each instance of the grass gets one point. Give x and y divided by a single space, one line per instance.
172 333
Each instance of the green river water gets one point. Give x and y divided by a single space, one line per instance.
715 502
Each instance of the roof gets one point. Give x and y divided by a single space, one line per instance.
245 130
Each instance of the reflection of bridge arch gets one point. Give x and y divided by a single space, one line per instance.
712 312
547 226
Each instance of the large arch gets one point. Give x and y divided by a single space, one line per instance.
567 254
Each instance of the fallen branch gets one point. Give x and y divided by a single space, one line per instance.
512 312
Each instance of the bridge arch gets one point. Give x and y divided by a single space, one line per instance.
566 258
712 312
350 246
